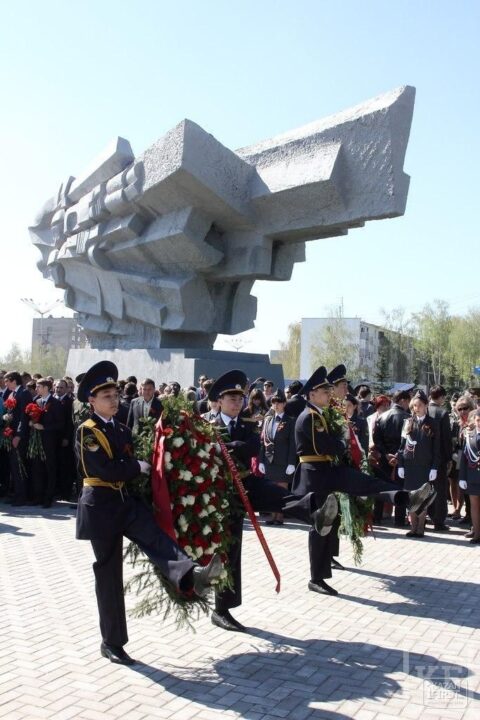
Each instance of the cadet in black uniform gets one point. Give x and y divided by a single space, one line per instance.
243 443
318 451
106 513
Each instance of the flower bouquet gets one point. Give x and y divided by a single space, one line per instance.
190 492
8 432
355 512
35 445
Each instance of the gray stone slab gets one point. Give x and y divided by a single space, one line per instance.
179 234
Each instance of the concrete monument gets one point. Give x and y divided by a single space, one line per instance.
158 253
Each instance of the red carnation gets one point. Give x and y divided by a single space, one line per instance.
197 508
194 528
216 538
10 403
8 432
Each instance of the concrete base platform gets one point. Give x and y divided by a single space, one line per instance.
184 366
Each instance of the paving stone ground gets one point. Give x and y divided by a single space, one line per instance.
401 640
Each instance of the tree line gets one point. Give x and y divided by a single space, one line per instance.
432 346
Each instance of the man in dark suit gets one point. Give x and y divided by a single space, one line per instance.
295 400
243 443
387 436
19 424
147 405
106 513
66 473
51 426
438 510
278 456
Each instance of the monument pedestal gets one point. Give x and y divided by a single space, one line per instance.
184 366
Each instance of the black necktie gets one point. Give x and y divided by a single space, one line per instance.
277 418
231 427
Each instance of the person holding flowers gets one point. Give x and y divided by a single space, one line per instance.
107 513
15 401
46 420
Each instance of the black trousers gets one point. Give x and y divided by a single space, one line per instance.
44 473
264 497
138 525
18 471
340 478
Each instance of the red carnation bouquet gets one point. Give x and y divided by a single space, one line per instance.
35 445
8 432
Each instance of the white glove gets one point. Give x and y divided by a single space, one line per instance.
144 467
432 476
463 484
401 473
290 470
261 467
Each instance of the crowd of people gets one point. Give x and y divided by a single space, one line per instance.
296 448
407 437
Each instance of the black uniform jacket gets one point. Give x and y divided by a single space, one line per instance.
313 439
440 414
387 432
53 421
20 421
101 508
468 470
426 452
244 441
278 451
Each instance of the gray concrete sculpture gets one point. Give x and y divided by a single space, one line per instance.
162 250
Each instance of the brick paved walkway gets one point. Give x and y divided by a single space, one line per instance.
402 639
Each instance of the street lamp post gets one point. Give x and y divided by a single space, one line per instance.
42 310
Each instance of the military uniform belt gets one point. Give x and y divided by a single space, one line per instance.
98 482
315 458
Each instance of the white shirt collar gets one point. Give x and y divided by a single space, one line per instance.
279 416
105 420
227 419
318 409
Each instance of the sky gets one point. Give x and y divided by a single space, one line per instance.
73 76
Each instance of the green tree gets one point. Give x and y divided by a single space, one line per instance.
398 333
383 365
433 328
16 359
289 353
335 344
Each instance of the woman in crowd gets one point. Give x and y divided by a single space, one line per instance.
459 425
469 472
358 423
419 454
256 408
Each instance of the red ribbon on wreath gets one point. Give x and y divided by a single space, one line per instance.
161 495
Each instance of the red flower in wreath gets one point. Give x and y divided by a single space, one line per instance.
8 432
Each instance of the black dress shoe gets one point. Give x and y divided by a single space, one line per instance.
320 586
475 541
337 565
203 576
225 621
323 517
116 654
466 520
441 528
